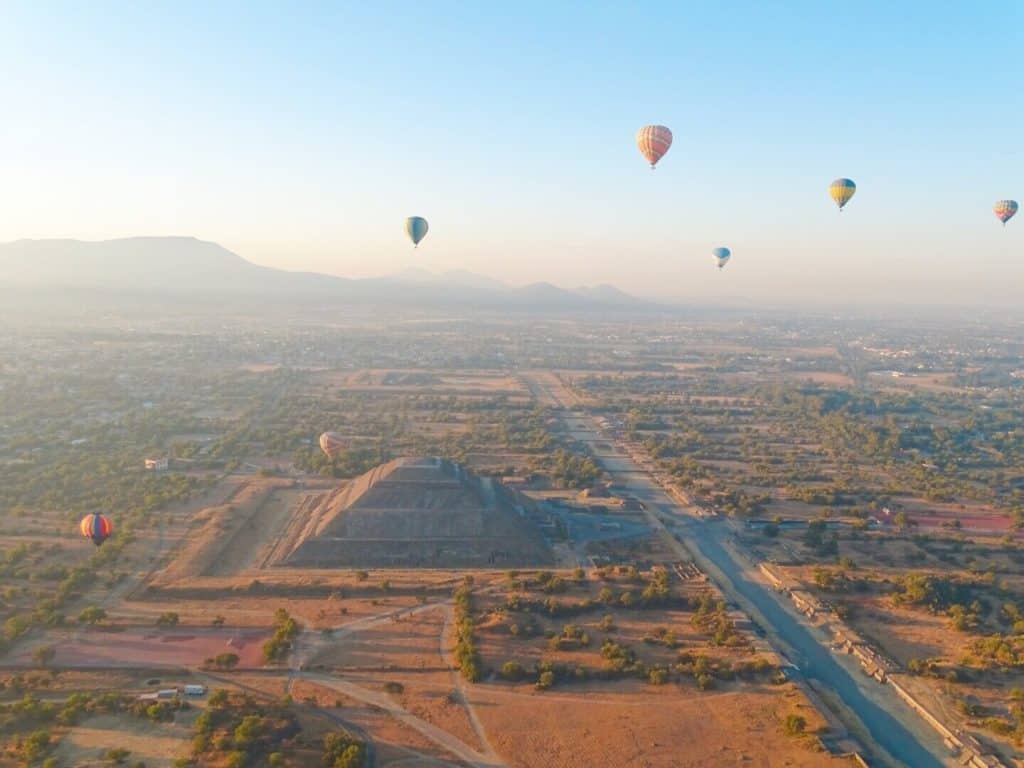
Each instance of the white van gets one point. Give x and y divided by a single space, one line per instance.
195 690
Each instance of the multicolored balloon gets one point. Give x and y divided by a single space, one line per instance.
841 191
96 527
1005 209
416 227
331 444
722 256
653 142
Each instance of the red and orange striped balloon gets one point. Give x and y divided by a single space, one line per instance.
96 527
653 142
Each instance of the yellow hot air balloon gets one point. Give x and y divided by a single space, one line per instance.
841 191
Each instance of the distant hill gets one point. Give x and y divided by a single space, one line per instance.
605 293
452 277
185 266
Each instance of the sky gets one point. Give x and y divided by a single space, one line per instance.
301 135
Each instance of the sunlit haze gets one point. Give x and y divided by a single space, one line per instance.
301 136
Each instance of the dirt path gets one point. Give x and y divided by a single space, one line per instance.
442 738
309 645
460 689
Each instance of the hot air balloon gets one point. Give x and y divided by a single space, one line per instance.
721 256
416 227
653 142
842 190
331 444
96 527
1005 209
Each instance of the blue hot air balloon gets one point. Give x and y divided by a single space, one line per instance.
721 256
416 227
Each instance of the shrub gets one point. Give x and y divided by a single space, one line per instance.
795 725
546 680
513 671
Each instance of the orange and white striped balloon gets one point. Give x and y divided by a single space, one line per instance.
653 142
331 444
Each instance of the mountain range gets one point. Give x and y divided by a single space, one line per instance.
185 266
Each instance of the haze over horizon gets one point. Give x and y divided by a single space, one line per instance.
302 141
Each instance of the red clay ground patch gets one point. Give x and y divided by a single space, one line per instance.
149 648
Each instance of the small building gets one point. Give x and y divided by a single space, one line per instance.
158 465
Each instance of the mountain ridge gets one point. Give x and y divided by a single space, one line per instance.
182 265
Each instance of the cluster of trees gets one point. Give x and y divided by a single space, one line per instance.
286 629
933 592
31 721
1000 651
936 668
47 611
341 750
349 463
621 661
959 599
80 481
837 579
477 424
739 503
656 593
571 470
705 670
818 540
571 637
236 731
711 615
934 445
222 661
466 654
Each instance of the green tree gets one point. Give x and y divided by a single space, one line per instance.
92 615
43 655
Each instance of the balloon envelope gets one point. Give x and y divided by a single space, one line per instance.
1005 209
331 444
416 227
96 527
721 256
653 142
841 191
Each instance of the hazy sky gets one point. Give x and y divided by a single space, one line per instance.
301 135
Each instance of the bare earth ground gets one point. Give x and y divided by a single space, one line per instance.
156 744
650 729
152 648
